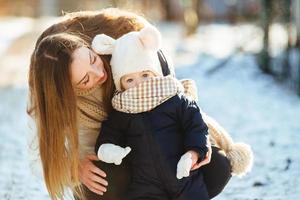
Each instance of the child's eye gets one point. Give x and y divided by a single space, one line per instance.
145 75
129 80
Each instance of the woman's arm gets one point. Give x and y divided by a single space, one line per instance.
91 176
118 178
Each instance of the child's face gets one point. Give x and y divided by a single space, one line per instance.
133 79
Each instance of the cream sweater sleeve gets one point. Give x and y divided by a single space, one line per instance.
87 140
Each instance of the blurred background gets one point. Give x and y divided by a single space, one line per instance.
243 55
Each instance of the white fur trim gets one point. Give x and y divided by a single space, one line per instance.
111 153
103 44
184 166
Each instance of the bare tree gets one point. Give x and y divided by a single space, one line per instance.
266 22
48 7
67 6
286 68
192 15
296 16
57 7
173 10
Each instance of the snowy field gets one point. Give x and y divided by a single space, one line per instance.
250 105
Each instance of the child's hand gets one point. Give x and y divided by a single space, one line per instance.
195 157
111 153
205 161
185 164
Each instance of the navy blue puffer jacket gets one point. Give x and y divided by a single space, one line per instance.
158 138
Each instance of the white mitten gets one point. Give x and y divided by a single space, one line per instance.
111 153
184 166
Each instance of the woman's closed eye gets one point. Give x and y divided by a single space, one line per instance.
87 80
94 59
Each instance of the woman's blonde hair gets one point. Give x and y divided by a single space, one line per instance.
52 101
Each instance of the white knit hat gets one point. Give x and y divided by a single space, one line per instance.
133 52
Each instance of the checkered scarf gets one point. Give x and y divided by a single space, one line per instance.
147 95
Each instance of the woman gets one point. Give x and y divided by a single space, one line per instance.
70 93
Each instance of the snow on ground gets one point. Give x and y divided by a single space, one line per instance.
250 105
16 180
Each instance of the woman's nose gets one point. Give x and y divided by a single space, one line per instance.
98 72
97 75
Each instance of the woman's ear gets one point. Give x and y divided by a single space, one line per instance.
103 44
150 37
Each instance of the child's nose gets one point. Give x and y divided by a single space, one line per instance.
138 81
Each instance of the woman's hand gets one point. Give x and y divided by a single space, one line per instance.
91 176
205 161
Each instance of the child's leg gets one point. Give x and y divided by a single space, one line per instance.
217 173
144 190
195 188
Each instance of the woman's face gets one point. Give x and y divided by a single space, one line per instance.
87 69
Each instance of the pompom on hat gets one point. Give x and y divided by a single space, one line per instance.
131 53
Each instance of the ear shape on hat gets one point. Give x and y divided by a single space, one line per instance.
103 44
150 37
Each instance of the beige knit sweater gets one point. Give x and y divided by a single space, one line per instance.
91 114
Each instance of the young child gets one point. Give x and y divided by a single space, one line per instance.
152 118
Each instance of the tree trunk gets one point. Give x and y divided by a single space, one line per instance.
286 68
67 6
48 7
296 11
266 21
192 16
173 10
